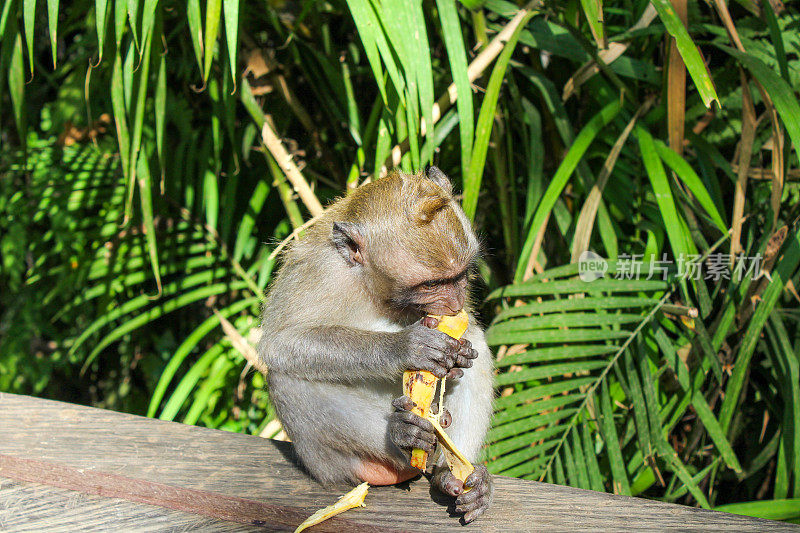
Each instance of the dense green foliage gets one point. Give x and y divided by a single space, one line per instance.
140 207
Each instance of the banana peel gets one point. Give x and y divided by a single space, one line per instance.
420 386
460 467
354 498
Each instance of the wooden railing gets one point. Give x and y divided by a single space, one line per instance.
65 467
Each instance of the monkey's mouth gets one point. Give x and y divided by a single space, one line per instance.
433 308
407 303
440 309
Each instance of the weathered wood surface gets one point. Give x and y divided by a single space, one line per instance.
199 471
33 508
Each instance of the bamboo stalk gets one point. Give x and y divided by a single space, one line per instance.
293 174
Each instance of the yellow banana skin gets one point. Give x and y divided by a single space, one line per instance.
420 385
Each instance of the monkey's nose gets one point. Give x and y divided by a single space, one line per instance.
453 304
459 302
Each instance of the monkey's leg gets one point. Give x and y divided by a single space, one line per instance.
472 503
341 433
377 472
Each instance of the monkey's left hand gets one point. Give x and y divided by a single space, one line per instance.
464 354
473 503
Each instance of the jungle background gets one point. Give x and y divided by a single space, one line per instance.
156 156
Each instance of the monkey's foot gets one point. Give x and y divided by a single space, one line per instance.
476 500
377 472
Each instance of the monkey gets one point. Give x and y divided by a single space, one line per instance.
346 315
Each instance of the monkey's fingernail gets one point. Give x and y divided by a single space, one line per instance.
430 322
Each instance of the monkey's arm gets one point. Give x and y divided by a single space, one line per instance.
342 354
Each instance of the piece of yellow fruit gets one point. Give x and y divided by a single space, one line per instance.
455 325
420 385
354 498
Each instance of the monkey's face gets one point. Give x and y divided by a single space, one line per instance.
428 266
409 242
435 295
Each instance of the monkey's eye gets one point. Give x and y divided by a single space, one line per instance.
430 284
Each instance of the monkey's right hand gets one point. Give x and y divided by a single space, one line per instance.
430 349
407 430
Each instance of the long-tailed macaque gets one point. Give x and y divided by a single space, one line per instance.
346 316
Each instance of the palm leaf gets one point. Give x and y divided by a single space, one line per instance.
581 330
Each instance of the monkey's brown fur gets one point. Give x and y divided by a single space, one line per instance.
342 322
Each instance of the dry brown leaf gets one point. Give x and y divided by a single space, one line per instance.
745 154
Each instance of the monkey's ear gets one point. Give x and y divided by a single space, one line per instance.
426 209
348 242
439 178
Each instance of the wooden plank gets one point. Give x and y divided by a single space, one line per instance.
31 507
203 502
241 467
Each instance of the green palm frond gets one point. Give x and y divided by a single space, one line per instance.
561 339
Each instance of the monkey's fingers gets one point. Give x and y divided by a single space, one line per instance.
474 495
466 350
403 403
463 362
472 504
455 373
475 502
407 441
463 359
415 420
446 482
465 355
445 419
479 477
470 516
441 341
435 362
430 321
409 431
